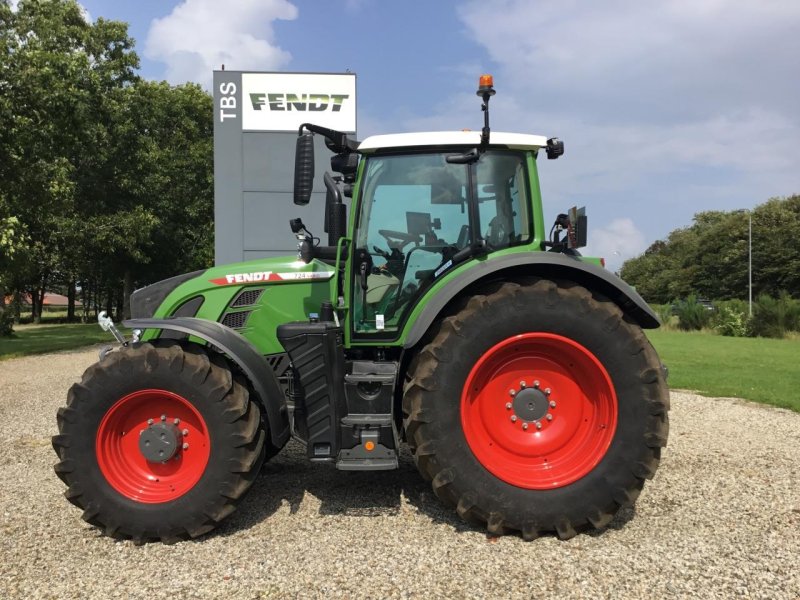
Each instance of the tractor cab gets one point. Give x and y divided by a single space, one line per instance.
423 204
420 215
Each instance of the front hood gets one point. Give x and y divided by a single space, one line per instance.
164 297
268 270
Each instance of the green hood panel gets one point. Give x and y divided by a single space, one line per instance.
284 289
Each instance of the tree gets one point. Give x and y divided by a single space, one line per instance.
710 258
59 74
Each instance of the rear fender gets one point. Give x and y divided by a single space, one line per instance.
244 354
539 264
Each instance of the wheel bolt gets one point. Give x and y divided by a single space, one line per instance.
176 422
185 432
163 417
538 425
525 426
536 384
513 418
547 391
522 384
552 403
149 421
549 417
508 405
185 446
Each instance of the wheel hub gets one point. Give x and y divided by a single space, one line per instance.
159 442
530 404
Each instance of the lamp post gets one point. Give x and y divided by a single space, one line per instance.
749 256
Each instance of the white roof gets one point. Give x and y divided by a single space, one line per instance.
519 141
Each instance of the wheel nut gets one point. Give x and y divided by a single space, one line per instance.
163 417
149 421
547 391
549 417
185 432
513 418
538 425
552 403
176 422
525 426
185 446
512 393
536 384
522 384
508 405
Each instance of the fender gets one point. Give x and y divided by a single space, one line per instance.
544 264
244 354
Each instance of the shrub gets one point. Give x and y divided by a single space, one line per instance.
692 315
774 317
6 323
731 322
665 314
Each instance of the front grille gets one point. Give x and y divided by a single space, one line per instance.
236 320
247 298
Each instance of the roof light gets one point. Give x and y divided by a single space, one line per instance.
486 81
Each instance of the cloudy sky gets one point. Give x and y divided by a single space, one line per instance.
666 108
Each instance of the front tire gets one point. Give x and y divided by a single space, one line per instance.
158 442
535 408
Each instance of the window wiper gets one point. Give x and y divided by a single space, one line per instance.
468 157
476 248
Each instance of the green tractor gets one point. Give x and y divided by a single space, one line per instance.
439 314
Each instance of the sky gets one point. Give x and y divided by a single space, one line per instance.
666 108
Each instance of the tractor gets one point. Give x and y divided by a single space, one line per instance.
438 315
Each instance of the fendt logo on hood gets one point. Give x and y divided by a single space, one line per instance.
259 276
299 102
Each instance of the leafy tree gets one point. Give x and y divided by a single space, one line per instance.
710 258
58 78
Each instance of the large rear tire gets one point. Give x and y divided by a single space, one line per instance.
158 442
537 407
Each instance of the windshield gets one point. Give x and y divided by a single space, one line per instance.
415 216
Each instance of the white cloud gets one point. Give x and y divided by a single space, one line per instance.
202 35
616 242
667 108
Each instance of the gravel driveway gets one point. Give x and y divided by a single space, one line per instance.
720 519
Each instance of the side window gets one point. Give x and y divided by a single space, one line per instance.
413 217
503 200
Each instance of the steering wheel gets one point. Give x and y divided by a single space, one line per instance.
399 239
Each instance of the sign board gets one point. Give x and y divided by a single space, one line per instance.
284 101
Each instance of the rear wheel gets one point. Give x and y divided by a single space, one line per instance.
537 408
158 442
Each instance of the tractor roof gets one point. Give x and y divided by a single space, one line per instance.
518 141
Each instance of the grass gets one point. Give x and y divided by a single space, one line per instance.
38 339
760 369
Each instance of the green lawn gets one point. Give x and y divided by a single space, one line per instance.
759 369
37 339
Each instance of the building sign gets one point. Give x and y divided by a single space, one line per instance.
284 101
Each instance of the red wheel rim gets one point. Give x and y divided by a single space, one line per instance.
538 411
123 463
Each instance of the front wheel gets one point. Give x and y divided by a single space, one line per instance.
158 442
537 407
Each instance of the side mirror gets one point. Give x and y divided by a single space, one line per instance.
555 148
576 232
335 211
304 168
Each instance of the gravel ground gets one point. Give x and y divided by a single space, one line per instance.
720 519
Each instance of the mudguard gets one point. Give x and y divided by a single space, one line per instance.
244 354
542 264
